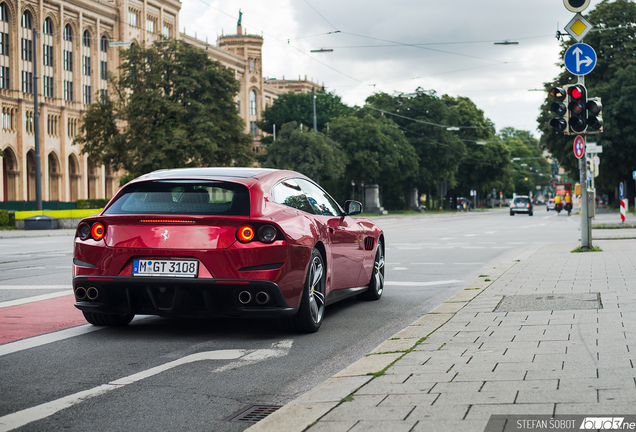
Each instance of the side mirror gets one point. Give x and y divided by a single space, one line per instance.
353 207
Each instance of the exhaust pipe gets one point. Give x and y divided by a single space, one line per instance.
262 297
80 293
245 297
92 293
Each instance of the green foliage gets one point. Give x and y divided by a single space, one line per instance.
298 107
178 110
614 80
91 203
310 153
531 169
4 218
378 153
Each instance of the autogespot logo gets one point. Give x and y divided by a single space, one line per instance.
606 423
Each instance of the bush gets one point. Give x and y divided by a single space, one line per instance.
4 218
93 203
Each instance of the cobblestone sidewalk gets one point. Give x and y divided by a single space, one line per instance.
554 333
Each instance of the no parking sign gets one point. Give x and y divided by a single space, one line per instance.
579 146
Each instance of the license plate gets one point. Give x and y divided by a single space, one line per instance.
166 268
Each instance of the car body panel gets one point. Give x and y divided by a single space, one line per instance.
225 264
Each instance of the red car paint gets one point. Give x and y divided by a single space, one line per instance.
226 265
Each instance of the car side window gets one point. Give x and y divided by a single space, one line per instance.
290 194
320 200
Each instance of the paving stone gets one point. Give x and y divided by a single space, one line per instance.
384 426
500 397
334 389
440 412
446 308
394 345
370 364
347 411
457 425
561 395
478 411
408 399
333 426
607 408
617 395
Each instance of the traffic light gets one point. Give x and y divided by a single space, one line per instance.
559 123
594 115
576 5
577 98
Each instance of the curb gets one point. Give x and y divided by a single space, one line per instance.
303 412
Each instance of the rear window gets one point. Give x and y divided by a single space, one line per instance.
183 198
522 200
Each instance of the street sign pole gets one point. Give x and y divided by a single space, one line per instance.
586 232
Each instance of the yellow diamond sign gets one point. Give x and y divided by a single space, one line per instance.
578 27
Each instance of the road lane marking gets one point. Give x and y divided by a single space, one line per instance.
34 299
490 232
392 283
471 235
33 287
29 415
427 263
469 263
36 341
473 247
26 268
400 268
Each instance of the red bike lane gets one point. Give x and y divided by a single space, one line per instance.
37 318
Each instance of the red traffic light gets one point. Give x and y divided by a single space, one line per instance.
576 91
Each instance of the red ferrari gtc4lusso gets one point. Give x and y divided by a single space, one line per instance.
224 242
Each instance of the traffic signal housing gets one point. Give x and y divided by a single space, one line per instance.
559 123
577 99
594 114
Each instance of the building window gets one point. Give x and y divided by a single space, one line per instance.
133 18
72 127
167 31
48 55
86 65
251 65
8 118
4 43
103 46
4 77
87 95
68 91
253 103
103 95
29 122
27 82
48 27
4 12
68 33
27 49
253 128
27 20
49 87
68 61
238 102
150 25
104 70
86 39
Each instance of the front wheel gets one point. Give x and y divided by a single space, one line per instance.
376 285
312 304
111 320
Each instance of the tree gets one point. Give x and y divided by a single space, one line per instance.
613 79
305 151
529 167
378 153
176 108
298 107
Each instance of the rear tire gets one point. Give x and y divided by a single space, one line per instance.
511 213
111 320
312 304
376 285
530 214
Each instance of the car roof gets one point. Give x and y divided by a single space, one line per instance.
235 172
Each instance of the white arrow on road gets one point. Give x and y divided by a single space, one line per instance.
578 52
26 416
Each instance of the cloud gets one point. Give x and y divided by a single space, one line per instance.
399 46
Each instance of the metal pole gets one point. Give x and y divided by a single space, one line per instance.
313 97
36 126
586 237
274 131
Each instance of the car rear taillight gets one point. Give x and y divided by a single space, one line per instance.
245 233
267 234
84 231
97 231
528 205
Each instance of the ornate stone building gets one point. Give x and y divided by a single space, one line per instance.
75 55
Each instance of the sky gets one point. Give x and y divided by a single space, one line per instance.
400 45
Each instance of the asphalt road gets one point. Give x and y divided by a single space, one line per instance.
168 374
